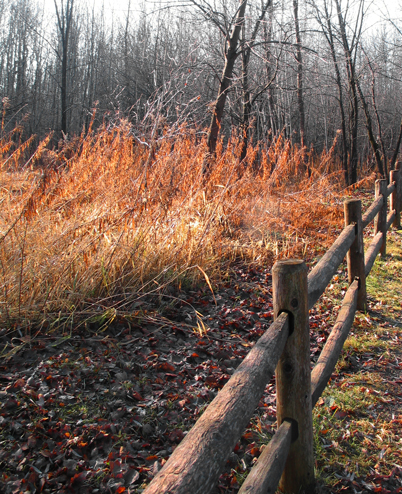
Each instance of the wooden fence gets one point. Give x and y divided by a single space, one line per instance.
196 464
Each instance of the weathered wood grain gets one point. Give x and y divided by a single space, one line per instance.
197 462
372 211
372 252
265 474
391 188
293 374
333 347
390 219
380 223
395 200
323 271
355 255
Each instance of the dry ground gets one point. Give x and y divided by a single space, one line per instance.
102 411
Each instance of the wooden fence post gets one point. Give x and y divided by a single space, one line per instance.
355 255
395 203
293 375
380 222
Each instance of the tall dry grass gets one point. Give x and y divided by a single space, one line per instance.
88 229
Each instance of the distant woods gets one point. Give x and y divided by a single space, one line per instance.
311 70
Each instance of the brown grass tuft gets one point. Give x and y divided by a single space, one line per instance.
88 229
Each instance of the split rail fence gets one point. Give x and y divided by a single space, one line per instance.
287 461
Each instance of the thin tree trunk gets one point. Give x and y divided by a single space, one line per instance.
396 151
299 60
354 120
64 20
64 90
246 100
331 42
273 119
230 58
380 137
369 126
353 96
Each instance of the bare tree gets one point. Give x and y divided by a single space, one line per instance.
339 33
64 15
325 21
236 43
247 98
381 161
350 52
299 60
231 54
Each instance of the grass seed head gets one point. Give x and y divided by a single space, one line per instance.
105 217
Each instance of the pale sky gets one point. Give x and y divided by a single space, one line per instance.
118 8
112 7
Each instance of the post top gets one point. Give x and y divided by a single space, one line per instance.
349 201
289 264
290 261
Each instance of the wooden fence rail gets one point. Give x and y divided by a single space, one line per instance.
287 461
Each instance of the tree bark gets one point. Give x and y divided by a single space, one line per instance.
299 60
226 80
64 21
247 103
397 146
345 150
293 375
198 460
353 92
369 126
246 99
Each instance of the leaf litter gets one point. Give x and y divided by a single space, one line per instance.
102 411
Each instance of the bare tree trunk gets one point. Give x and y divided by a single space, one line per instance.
273 120
330 39
353 96
246 100
396 151
299 60
230 58
64 21
247 103
369 126
380 135
126 59
353 122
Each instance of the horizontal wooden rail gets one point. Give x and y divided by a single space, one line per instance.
287 460
323 271
266 473
372 252
197 462
390 219
380 223
372 211
391 188
333 347
395 199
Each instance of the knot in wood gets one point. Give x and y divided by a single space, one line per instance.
288 368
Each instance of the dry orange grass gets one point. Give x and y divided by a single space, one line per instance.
87 230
